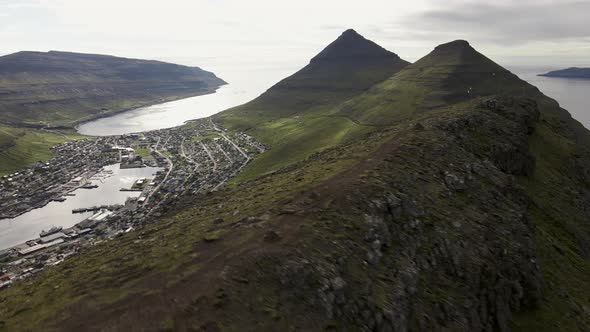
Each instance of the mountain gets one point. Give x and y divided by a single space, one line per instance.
297 106
451 73
458 202
21 147
346 67
349 64
61 88
572 72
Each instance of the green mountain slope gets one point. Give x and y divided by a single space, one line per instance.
468 214
292 115
62 89
20 147
451 73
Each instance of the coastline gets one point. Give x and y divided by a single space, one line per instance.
565 77
94 117
90 173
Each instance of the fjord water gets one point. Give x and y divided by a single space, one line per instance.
244 85
164 115
28 226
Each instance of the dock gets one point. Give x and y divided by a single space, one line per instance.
97 208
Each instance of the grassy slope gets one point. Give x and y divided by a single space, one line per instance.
451 73
20 147
446 77
294 116
443 77
562 232
145 263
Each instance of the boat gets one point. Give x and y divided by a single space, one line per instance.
59 199
89 186
50 231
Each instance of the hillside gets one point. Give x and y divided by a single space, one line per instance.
20 147
292 115
457 200
572 72
61 89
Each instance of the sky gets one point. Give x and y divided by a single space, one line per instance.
236 34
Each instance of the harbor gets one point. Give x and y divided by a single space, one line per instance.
109 180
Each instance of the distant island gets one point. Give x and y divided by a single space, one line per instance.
573 72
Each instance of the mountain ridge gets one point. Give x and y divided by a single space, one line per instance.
63 88
298 103
66 60
350 45
348 57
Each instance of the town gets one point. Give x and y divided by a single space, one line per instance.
194 158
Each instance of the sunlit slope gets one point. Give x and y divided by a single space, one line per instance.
452 72
291 116
20 147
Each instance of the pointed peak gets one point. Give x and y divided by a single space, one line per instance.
350 45
456 44
350 33
456 48
455 52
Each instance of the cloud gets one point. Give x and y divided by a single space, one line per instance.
506 22
267 30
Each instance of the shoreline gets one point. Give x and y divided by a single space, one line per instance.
92 117
95 117
57 194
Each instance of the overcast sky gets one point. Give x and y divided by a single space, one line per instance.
243 32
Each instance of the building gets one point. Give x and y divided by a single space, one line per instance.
101 215
38 247
52 237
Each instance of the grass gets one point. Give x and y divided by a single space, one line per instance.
20 147
293 140
562 231
104 274
297 121
143 152
206 137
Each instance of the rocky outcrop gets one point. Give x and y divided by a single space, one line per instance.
497 130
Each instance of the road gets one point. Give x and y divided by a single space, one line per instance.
171 166
210 156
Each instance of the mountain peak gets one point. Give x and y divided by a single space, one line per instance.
455 44
456 48
462 72
350 46
350 32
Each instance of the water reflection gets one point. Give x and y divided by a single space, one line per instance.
28 226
